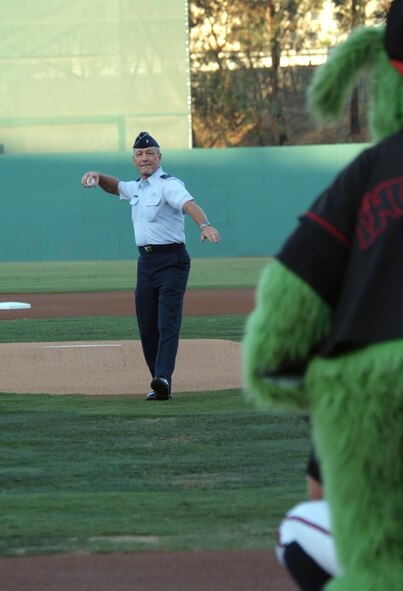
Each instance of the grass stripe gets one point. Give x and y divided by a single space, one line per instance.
206 472
48 277
112 328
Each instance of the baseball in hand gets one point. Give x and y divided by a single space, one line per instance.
90 182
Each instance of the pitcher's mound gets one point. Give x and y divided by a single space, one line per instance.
112 367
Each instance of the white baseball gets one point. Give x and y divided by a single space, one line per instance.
90 182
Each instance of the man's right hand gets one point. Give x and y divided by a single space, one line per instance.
90 180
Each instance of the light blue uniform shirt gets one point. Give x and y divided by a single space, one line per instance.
157 208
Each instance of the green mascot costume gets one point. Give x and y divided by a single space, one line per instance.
326 335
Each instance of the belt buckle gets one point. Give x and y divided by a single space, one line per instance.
148 248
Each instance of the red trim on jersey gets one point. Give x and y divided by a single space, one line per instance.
329 228
398 65
309 523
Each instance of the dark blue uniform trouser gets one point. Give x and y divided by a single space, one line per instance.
162 276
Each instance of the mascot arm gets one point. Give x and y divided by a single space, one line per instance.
290 319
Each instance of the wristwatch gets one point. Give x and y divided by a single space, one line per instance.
204 225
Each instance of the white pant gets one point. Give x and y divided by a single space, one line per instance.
309 525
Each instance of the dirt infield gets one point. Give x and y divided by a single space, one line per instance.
154 571
200 571
198 302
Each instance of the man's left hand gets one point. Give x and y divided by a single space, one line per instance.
211 234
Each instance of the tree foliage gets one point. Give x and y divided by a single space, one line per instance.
353 13
241 92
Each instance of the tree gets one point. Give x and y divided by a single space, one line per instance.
241 92
215 98
241 43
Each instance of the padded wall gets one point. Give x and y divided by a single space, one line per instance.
252 195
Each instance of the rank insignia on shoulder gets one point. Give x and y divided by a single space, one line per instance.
166 176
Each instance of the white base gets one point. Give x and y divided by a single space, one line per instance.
13 305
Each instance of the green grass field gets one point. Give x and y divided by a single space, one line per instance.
205 471
121 275
230 327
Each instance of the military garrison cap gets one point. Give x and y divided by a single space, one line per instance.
144 140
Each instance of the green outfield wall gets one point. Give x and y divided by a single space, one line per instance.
252 195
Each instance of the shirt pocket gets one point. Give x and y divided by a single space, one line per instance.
152 207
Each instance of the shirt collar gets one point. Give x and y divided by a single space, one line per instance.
154 177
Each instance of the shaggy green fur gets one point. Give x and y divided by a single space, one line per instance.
362 53
386 114
369 580
357 412
333 82
356 404
355 400
288 320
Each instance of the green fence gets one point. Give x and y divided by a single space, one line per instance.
252 195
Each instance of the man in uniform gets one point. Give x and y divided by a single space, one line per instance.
159 204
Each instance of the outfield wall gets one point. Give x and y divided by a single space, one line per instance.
252 195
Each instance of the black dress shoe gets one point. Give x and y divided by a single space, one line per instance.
161 389
153 396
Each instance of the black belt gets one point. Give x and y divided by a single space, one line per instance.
160 247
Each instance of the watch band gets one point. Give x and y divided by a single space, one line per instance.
204 225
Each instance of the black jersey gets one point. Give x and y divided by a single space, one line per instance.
349 248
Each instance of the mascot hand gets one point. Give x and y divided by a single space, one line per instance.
288 322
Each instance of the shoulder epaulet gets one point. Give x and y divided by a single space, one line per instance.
138 180
166 176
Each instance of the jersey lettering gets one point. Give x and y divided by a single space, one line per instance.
378 208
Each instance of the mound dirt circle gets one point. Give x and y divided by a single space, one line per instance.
114 367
